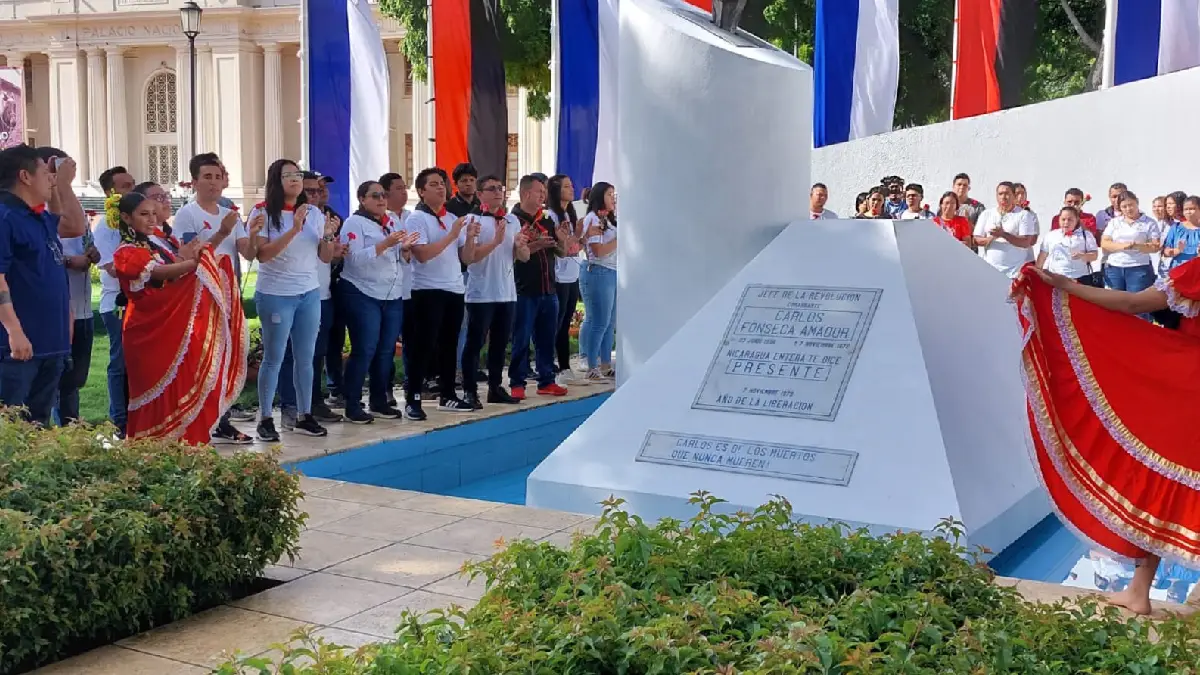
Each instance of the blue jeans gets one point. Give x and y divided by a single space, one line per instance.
287 377
374 327
1131 279
599 313
284 317
536 318
118 386
75 373
32 383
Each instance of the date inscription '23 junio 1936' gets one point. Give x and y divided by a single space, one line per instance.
789 351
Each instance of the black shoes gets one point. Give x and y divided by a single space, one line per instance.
266 431
455 404
472 399
324 414
359 417
498 395
413 411
388 413
227 433
308 425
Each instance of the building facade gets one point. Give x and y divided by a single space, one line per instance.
110 83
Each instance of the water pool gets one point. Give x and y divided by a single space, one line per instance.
490 459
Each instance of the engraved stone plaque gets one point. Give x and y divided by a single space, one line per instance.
789 351
769 460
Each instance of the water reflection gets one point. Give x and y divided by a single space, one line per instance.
1097 571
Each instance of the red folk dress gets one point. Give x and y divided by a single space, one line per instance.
185 343
1120 471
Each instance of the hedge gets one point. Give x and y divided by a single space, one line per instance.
102 539
751 594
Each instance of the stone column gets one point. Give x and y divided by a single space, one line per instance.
97 113
118 106
529 138
272 104
235 135
422 157
395 62
68 124
183 108
204 87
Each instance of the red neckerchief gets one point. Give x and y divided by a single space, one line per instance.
39 209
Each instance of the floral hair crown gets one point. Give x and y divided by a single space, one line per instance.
112 211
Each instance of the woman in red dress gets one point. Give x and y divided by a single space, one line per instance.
185 358
953 224
1119 472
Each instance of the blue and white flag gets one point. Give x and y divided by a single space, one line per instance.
346 95
585 42
856 66
1145 38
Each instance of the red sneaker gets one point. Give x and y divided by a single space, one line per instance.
552 390
517 393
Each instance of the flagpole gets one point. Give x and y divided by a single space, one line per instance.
304 149
1108 75
549 158
954 59
430 117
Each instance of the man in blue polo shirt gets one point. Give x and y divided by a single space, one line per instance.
35 312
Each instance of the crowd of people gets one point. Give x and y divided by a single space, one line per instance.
457 280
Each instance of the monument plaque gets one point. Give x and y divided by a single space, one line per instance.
770 460
789 351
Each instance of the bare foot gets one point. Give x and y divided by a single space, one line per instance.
1136 603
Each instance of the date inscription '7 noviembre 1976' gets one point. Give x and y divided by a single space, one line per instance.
789 351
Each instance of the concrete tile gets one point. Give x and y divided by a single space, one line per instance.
450 506
368 494
321 598
320 549
323 511
113 660
480 537
346 638
562 539
315 486
404 564
388 524
459 586
208 638
383 620
283 573
524 515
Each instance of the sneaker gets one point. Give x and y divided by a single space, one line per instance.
579 363
472 399
595 376
609 372
455 404
240 414
552 389
480 376
336 401
391 400
388 413
287 419
566 378
266 431
227 433
359 417
324 414
517 392
431 386
498 395
413 411
308 425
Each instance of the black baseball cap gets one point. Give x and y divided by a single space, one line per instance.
317 175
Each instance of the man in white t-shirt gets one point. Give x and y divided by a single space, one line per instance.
205 219
1007 233
397 202
107 237
817 196
913 208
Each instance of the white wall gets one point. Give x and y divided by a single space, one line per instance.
1137 133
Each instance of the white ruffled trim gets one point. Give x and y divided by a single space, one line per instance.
138 284
1177 301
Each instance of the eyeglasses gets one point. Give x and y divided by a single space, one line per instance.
495 188
292 175
312 191
376 195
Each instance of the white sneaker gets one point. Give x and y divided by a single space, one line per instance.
566 378
579 363
594 375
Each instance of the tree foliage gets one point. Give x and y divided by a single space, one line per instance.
1065 60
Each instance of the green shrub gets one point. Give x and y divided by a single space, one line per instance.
100 540
750 594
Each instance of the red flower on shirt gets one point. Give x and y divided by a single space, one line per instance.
351 236
233 207
207 225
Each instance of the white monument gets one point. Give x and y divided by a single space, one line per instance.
715 136
865 370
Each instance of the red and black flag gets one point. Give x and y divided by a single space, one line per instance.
469 97
994 41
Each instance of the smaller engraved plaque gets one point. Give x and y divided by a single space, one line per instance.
731 455
789 351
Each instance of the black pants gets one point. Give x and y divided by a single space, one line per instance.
75 375
568 297
437 319
334 366
492 321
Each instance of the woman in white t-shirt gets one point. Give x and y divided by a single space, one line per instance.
370 292
1070 249
292 241
1129 239
559 197
598 281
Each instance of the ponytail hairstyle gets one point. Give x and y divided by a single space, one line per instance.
554 200
596 204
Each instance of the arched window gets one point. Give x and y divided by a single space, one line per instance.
161 126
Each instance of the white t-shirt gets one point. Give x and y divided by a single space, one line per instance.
406 291
1001 254
377 275
566 268
294 270
491 279
80 280
825 214
443 273
1140 231
610 260
916 215
107 240
193 219
1060 246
